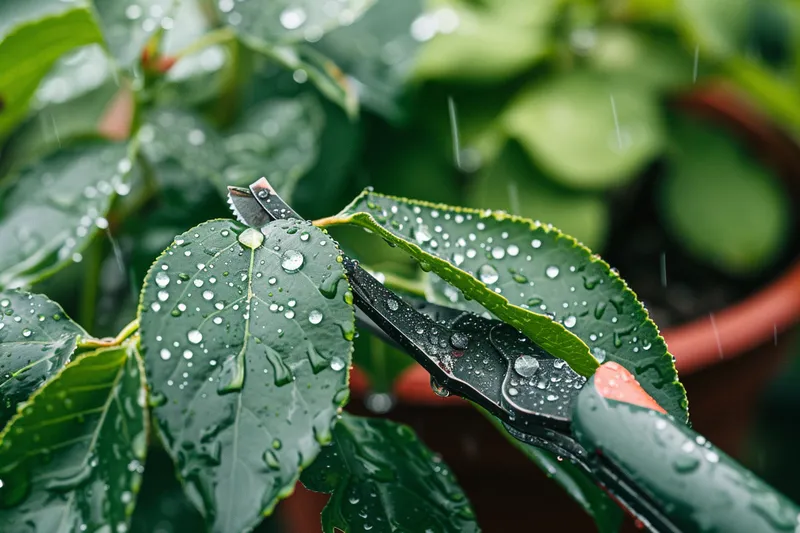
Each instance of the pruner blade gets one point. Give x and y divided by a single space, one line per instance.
246 208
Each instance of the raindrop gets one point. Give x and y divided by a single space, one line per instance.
162 279
292 18
488 274
513 250
26 332
459 341
194 336
552 272
187 354
208 295
289 314
392 304
315 317
251 238
536 243
570 321
165 354
498 252
526 365
292 261
337 364
163 296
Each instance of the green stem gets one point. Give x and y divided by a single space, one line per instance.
214 37
131 328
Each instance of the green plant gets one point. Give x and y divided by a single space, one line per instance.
121 125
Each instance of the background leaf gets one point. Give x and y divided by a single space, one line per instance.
71 460
428 231
286 21
383 479
724 207
247 338
36 340
128 25
55 207
29 50
588 131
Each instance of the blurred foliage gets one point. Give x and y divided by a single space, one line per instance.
557 110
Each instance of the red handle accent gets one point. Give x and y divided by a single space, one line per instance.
613 381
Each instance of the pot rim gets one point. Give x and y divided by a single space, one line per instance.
725 334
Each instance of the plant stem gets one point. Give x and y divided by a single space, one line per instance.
328 222
131 328
214 37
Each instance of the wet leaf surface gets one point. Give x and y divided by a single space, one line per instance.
71 460
614 125
525 273
28 50
128 25
56 206
286 21
36 340
384 479
247 339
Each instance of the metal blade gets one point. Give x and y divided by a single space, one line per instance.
246 208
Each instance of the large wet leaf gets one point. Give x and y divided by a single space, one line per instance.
36 340
384 479
378 52
287 21
589 131
56 206
128 25
441 238
71 460
724 206
29 49
247 339
522 271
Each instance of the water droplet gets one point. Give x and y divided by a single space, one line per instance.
392 304
315 316
498 252
337 363
292 18
271 460
165 354
155 306
570 321
289 314
26 332
162 279
512 391
526 365
459 340
438 389
194 336
536 243
552 272
163 296
208 295
513 250
488 274
292 261
251 238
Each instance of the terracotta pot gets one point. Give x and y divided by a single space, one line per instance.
724 361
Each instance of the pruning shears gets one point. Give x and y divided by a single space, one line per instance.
667 476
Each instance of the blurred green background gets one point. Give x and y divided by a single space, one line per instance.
660 133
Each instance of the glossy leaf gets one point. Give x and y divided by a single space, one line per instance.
56 206
719 27
724 206
276 139
377 52
513 185
247 339
484 42
36 340
128 25
29 49
384 479
587 130
521 271
73 75
71 460
287 21
429 231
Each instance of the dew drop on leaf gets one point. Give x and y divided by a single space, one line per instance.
292 261
552 272
194 336
315 316
488 274
337 364
526 366
251 238
162 279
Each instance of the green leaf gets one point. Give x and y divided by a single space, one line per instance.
36 340
723 205
75 74
511 184
127 25
56 206
29 50
377 52
247 338
384 479
72 458
483 42
277 139
587 130
289 21
519 270
719 27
